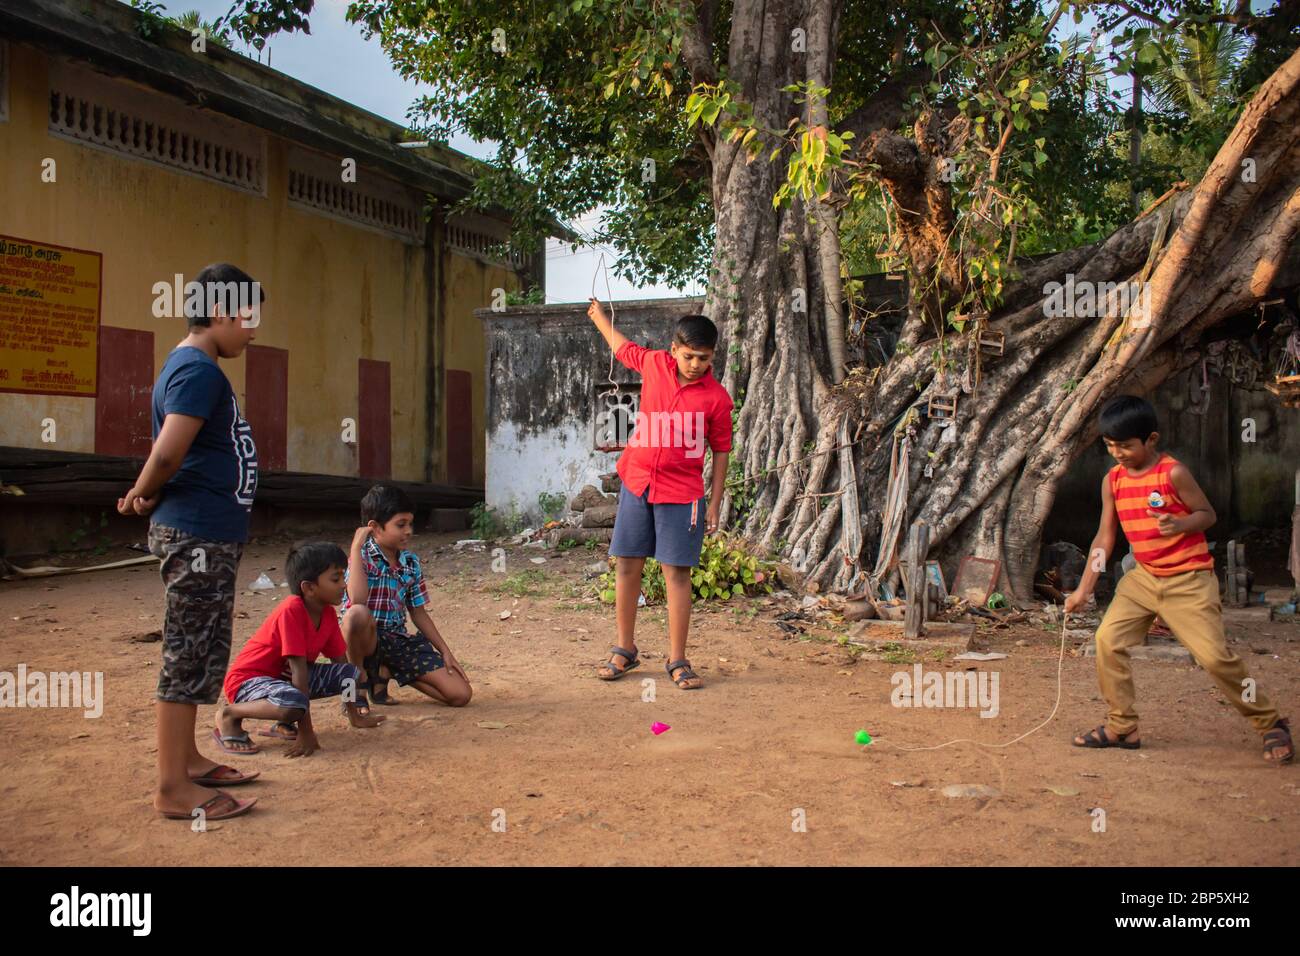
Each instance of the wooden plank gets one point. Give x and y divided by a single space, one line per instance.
918 547
873 633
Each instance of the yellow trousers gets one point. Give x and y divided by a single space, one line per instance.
1189 604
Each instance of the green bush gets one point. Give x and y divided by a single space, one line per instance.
485 521
552 505
726 570
515 520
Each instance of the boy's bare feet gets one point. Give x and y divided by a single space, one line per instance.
232 727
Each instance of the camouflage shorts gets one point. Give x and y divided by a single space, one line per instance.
200 580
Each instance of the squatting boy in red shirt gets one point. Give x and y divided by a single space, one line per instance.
661 505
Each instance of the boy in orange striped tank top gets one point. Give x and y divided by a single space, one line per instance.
1163 514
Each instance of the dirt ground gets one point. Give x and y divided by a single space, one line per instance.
577 777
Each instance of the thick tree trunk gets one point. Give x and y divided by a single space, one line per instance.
1201 257
773 273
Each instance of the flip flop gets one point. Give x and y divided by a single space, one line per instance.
210 779
272 731
243 738
239 809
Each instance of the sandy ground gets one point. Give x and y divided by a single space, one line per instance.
577 777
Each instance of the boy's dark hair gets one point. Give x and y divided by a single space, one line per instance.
1127 416
225 285
696 331
307 562
382 502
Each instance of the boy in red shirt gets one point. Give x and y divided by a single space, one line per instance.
275 676
660 504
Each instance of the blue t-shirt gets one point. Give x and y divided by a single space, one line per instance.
211 495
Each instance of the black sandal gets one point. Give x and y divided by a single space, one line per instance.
686 674
610 672
377 685
1098 739
1277 736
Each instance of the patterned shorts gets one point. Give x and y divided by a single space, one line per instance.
200 579
408 656
323 680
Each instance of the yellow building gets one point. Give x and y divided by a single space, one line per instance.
127 162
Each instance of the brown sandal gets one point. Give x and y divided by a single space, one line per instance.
209 808
1277 737
224 776
1098 739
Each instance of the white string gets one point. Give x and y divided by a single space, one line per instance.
963 740
600 264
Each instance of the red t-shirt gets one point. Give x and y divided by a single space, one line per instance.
673 423
288 632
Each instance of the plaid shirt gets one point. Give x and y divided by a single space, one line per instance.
392 591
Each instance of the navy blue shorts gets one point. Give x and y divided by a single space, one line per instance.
407 656
323 680
669 533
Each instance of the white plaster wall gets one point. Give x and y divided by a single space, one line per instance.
558 460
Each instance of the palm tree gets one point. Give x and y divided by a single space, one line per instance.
1199 75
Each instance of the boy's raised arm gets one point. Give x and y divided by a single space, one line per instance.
1099 552
615 338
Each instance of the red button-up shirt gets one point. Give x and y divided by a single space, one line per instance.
673 424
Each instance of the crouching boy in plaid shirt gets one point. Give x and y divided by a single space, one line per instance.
384 582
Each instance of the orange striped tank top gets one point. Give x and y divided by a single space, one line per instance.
1160 555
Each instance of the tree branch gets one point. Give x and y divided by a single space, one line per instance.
884 110
697 41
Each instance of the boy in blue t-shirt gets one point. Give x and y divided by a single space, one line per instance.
197 487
